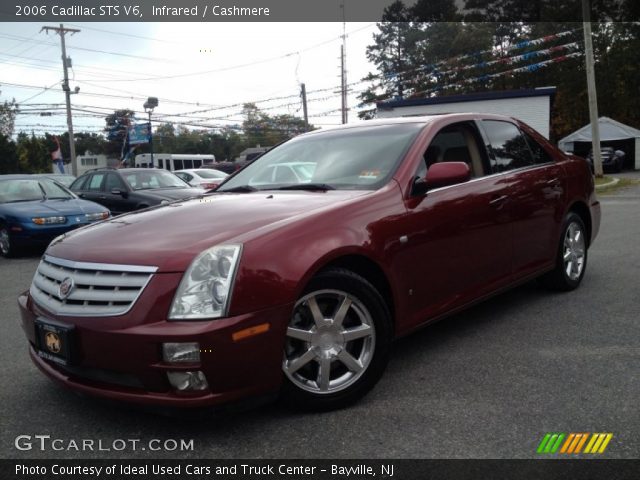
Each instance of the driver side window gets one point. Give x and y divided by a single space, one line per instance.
454 143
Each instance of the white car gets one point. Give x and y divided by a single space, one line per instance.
205 178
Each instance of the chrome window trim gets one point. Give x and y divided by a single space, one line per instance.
493 175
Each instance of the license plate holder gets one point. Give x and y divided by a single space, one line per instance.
55 341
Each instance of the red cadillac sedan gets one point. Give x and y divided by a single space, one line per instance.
294 281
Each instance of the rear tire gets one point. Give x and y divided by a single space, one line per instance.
571 259
337 342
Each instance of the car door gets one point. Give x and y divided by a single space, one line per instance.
92 188
536 199
114 194
458 237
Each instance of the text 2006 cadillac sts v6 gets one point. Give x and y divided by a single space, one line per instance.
295 280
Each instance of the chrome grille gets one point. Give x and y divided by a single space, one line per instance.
99 289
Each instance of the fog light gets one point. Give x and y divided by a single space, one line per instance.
188 380
181 352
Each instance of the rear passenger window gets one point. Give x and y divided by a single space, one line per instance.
509 147
177 165
114 182
95 182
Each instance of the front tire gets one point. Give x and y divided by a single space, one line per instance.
337 342
571 259
7 249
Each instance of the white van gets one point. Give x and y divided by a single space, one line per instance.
173 161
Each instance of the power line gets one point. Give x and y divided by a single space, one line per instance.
243 65
124 34
119 54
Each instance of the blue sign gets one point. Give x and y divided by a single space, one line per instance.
139 134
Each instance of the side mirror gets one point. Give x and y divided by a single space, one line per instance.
447 173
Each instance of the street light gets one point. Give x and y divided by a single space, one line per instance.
149 105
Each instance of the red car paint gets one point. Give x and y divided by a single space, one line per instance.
437 254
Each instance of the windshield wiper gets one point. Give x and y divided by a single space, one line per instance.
239 189
307 186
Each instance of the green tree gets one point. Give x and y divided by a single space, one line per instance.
90 142
8 155
262 129
115 129
8 111
33 154
164 138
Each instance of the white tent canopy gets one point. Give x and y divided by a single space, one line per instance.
610 131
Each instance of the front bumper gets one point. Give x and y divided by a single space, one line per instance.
40 235
124 363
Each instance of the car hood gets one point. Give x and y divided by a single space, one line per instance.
170 236
44 208
169 193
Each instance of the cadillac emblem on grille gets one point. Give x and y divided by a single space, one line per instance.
65 288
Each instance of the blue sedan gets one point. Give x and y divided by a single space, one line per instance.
33 211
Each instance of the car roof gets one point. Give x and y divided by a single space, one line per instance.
111 169
23 176
420 119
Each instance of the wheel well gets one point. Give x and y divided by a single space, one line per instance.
371 272
583 211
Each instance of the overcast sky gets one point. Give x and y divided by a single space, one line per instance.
188 66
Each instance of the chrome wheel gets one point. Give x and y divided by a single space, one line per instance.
329 343
574 251
5 242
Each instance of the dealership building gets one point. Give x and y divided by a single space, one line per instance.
532 106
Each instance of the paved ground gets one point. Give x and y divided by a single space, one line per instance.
487 383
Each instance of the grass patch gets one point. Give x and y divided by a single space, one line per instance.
623 183
603 180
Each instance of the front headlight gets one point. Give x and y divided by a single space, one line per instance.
206 286
48 220
94 217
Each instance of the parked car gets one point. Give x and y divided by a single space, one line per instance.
204 178
298 287
127 189
62 178
286 172
234 166
33 211
611 158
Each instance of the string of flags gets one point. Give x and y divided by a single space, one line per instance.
478 55
487 77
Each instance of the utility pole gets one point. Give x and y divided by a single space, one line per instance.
303 94
343 63
62 31
343 83
591 88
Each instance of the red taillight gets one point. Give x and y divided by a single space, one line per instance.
209 186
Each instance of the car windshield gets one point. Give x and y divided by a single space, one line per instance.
204 173
148 179
26 190
359 158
